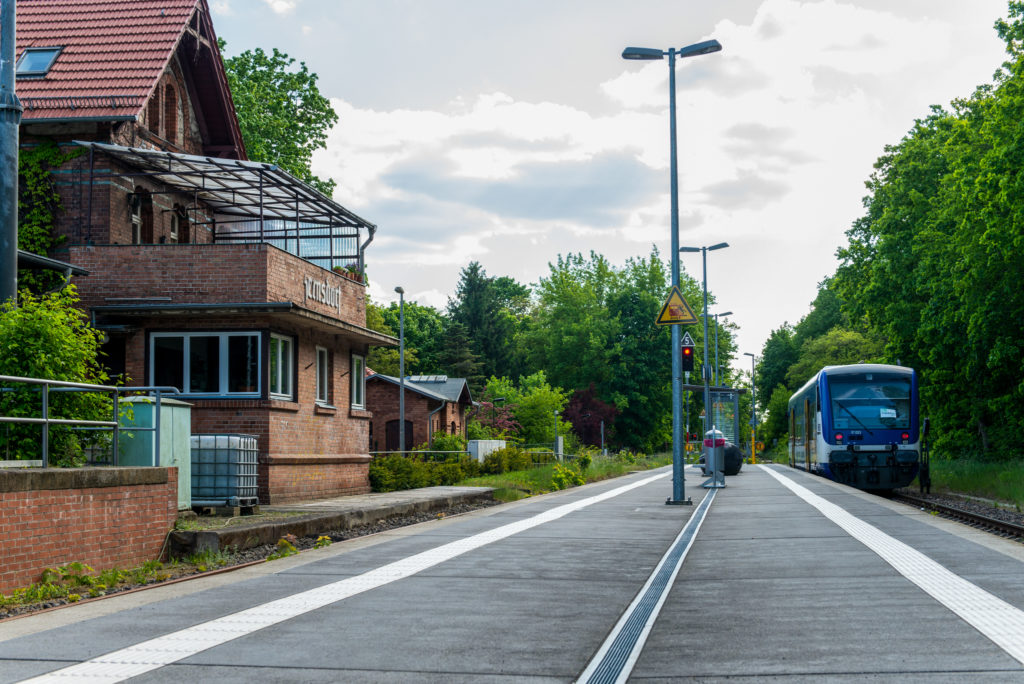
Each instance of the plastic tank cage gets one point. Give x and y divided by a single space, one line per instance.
224 470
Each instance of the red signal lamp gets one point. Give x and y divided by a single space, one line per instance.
687 356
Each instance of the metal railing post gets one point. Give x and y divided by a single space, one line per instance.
46 426
117 428
156 431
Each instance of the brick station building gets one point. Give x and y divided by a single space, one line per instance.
433 403
228 279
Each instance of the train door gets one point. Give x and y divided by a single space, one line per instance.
809 421
792 438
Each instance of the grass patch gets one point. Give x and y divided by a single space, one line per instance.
1002 481
217 522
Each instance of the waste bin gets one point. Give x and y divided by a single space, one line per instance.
714 451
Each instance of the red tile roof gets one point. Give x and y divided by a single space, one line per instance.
114 51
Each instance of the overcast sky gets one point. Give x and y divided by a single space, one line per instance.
511 132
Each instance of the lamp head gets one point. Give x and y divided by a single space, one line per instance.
720 245
689 249
399 290
707 47
642 53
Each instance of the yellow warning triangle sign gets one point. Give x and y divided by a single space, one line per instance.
676 311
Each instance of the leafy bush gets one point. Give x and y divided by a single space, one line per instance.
395 472
508 459
47 337
563 477
443 441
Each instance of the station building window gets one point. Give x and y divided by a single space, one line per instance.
323 376
357 399
281 367
210 363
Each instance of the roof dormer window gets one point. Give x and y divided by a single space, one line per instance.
36 62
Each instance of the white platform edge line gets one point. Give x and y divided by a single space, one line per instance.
999 621
155 653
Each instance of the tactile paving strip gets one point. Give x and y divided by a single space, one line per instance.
155 653
990 615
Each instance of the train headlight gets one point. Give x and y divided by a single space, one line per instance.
839 437
906 437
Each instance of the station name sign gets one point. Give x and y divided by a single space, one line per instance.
323 292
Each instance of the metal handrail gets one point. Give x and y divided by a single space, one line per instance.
114 425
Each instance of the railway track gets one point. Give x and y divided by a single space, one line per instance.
983 522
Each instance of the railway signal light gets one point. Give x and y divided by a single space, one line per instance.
687 359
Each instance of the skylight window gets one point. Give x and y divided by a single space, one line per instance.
36 62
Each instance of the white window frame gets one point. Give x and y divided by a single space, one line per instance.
224 367
323 376
285 367
357 385
136 211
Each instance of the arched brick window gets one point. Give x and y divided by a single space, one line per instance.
171 113
153 112
141 205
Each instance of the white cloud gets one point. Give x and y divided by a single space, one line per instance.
282 6
777 134
221 7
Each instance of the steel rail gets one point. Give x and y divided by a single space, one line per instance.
984 522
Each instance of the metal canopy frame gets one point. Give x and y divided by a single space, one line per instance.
282 207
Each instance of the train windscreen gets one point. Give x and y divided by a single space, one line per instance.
870 401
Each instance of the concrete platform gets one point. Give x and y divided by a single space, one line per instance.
773 590
327 515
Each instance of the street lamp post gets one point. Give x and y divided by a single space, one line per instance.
401 368
753 410
636 53
555 447
717 379
493 402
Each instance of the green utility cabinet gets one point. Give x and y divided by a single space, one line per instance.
175 440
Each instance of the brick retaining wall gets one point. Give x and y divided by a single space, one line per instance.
104 517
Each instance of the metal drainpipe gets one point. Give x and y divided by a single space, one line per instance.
362 248
10 119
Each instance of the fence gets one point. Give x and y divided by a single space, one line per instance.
429 456
45 420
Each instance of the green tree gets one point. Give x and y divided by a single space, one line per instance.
776 423
282 115
778 354
424 335
535 411
834 348
48 337
491 311
457 359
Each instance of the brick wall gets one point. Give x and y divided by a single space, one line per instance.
208 274
105 517
382 401
205 274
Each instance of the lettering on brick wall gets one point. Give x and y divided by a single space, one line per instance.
323 292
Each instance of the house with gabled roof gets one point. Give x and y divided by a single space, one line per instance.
226 278
433 403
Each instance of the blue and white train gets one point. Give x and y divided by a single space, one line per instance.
857 425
